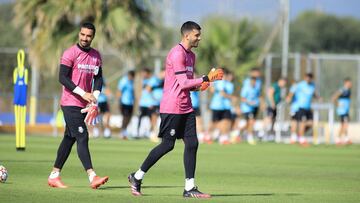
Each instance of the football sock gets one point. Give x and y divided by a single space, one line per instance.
64 150
91 176
160 150
189 184
190 151
54 174
139 175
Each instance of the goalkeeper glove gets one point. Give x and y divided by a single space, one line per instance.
91 116
204 85
215 74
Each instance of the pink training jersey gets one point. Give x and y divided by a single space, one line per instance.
84 66
179 79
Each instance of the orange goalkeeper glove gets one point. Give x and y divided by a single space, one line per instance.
204 86
215 74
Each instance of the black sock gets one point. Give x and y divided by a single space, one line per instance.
64 150
190 151
160 150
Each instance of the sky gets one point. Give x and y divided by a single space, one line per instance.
182 10
268 10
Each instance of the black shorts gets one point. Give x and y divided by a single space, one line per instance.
293 116
344 118
74 119
233 116
271 112
103 107
251 115
304 115
156 109
218 115
197 111
126 110
146 111
177 126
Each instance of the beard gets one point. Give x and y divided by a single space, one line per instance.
85 44
194 43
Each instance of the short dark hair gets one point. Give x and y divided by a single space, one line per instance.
310 75
347 79
189 26
146 70
131 73
88 25
255 69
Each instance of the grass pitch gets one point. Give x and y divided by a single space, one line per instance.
237 173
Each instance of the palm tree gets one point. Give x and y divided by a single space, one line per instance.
228 43
123 27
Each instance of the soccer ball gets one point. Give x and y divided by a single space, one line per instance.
3 174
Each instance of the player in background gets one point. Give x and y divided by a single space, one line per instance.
228 97
342 100
273 98
176 112
79 66
104 112
304 93
146 102
250 101
254 73
157 85
195 101
216 129
126 97
294 108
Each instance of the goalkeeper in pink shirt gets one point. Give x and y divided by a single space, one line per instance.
176 112
80 65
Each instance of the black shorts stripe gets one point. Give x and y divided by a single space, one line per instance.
180 72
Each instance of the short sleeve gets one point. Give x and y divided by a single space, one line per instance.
178 62
67 58
243 92
293 89
121 84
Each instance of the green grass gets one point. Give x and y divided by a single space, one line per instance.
237 173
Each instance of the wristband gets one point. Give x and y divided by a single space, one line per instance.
96 94
205 78
79 91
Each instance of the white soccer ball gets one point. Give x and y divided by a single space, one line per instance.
3 174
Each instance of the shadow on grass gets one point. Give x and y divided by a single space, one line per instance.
254 194
27 161
143 187
241 195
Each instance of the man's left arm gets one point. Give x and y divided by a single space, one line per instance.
98 83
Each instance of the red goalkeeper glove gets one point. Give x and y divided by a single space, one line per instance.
91 116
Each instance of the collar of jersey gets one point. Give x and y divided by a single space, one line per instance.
184 48
83 49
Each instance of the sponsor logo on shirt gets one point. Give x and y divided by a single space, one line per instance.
88 68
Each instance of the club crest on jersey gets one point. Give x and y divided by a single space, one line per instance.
172 132
190 68
80 129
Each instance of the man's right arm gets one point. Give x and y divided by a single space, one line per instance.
64 79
